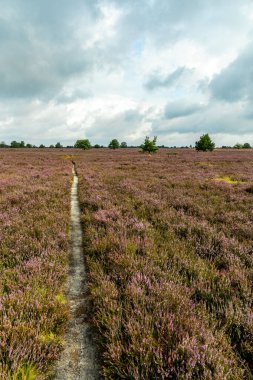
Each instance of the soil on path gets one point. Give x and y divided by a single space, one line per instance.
78 360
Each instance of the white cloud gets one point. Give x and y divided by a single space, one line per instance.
109 68
105 28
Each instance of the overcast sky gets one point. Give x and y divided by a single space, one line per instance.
72 69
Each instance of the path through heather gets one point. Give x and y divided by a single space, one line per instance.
78 360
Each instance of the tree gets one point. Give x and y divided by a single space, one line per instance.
28 146
149 145
15 144
246 146
51 146
123 144
3 145
42 146
96 146
58 145
114 144
205 143
238 146
83 144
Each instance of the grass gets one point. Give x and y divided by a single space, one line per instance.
228 179
26 372
169 257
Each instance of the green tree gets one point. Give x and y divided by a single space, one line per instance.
15 144
205 143
114 144
42 146
83 144
149 145
238 146
246 146
123 144
96 146
58 145
51 146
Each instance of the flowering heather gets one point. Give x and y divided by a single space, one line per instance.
169 254
34 220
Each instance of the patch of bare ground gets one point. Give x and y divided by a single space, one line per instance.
78 360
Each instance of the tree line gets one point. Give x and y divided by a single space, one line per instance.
22 144
204 144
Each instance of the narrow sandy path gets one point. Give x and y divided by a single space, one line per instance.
78 360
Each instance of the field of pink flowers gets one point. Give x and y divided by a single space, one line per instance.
168 246
34 221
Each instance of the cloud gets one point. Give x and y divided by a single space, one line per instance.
68 97
235 82
181 108
156 81
40 49
108 68
215 118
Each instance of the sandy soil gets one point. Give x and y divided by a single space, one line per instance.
78 359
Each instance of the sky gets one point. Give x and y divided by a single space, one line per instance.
126 69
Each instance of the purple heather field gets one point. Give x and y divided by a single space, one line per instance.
168 246
34 214
168 251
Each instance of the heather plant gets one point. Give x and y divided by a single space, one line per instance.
170 262
33 261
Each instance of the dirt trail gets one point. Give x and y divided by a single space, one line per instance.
78 360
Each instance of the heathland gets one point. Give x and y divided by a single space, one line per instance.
168 246
168 250
34 214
